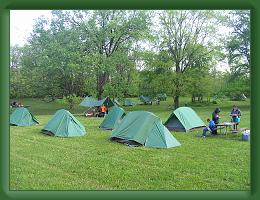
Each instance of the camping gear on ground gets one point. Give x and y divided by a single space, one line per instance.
143 128
184 119
146 100
91 102
113 117
91 112
128 102
64 124
246 135
22 117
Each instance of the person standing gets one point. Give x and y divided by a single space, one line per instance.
103 110
235 114
215 115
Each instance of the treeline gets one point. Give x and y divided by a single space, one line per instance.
122 53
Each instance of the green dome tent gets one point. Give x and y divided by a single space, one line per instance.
64 124
128 102
184 119
144 128
114 115
22 117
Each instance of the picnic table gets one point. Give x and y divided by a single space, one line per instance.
226 126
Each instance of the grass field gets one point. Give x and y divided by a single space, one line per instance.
92 162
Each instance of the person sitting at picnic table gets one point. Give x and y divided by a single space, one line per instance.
235 114
212 127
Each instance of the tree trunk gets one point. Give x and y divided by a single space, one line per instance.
177 85
101 81
176 101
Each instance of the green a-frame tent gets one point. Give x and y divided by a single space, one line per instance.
113 117
145 100
128 102
92 102
184 119
64 124
22 117
144 128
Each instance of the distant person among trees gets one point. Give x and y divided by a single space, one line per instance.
235 114
212 127
215 115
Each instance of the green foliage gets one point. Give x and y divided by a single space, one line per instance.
185 37
198 83
238 44
230 85
79 52
71 101
100 53
157 77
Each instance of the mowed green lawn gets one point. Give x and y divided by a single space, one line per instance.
92 162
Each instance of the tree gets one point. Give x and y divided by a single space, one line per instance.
112 34
238 47
184 33
16 82
238 44
198 83
56 60
157 76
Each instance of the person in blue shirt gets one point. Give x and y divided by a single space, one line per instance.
212 127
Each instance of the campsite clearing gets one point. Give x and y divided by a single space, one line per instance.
93 162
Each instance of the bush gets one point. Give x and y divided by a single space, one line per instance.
70 101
